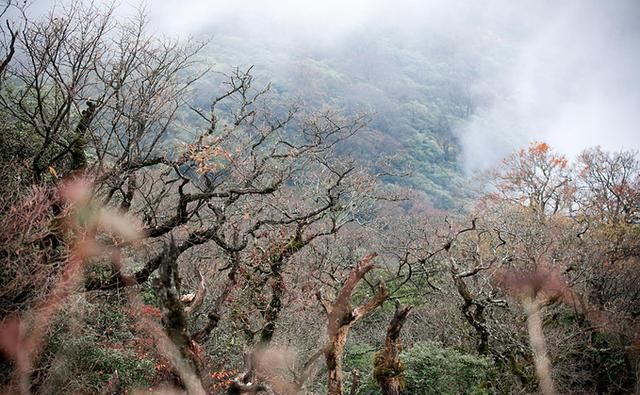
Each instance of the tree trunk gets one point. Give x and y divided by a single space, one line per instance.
341 316
333 355
532 307
473 311
174 321
355 382
388 370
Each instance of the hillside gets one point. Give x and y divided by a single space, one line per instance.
320 198
414 95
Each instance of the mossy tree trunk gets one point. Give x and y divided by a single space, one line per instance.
388 370
174 320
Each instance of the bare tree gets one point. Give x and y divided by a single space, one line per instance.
341 316
101 98
9 35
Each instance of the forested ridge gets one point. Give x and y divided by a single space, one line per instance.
219 216
413 95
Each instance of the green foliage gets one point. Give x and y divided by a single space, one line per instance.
432 369
83 356
428 368
111 322
358 356
415 94
149 295
83 359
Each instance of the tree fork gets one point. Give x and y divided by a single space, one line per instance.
341 316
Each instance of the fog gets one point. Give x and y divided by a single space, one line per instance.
563 72
574 82
572 79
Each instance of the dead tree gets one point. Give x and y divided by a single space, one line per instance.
388 370
341 316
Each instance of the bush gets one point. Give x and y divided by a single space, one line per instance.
83 356
432 369
85 366
429 368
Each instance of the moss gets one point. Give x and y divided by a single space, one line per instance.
381 371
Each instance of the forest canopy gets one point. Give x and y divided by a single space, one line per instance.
171 227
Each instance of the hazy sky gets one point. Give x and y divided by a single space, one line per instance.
572 78
574 82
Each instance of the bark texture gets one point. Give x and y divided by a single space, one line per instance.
341 316
388 370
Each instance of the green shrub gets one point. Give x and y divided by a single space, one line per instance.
358 356
432 369
85 360
429 368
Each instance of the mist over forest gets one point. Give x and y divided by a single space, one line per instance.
538 70
451 89
328 197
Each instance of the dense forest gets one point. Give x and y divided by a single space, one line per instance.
233 215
